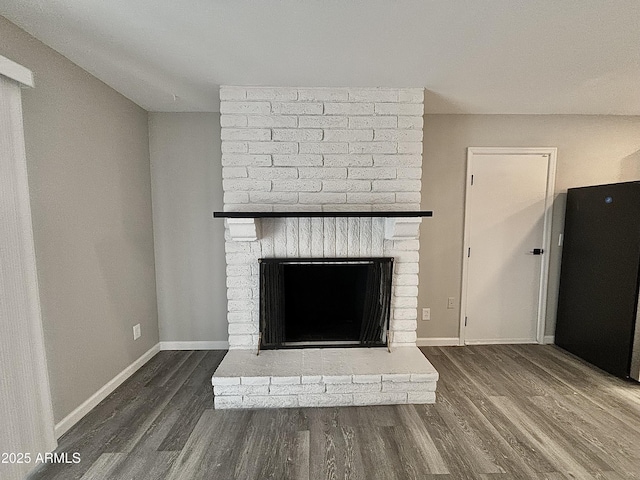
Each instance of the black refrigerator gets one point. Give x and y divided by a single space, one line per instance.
600 273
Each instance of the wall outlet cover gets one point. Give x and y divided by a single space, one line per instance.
426 314
136 331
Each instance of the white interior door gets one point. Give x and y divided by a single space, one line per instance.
508 197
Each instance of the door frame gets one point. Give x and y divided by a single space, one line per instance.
552 153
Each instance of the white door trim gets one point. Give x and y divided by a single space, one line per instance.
552 152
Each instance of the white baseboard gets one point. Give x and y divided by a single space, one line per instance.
74 417
438 342
502 341
549 340
212 345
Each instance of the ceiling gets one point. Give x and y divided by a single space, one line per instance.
473 56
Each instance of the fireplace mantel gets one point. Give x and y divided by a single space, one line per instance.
399 225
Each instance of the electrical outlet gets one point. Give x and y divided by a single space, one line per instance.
450 302
136 331
426 314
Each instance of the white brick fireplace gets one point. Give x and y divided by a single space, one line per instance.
329 150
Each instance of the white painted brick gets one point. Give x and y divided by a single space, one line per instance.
402 325
348 160
410 123
406 245
407 386
410 173
234 147
272 93
322 94
405 291
261 108
240 159
372 173
404 337
348 108
296 389
406 256
243 328
236 247
373 95
227 401
240 258
239 317
273 197
373 122
348 135
409 147
398 135
408 197
357 378
322 172
232 93
246 184
353 387
241 389
421 397
234 172
346 186
292 380
397 160
225 380
322 198
407 279
391 398
424 377
372 147
236 197
297 135
296 108
296 185
404 302
271 173
255 134
348 207
272 121
337 378
273 147
248 208
241 306
255 380
324 147
406 267
233 121
241 341
311 379
399 109
270 401
396 377
234 293
239 269
396 185
306 160
325 400
322 122
411 95
378 198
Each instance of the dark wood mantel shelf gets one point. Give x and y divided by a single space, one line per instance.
317 214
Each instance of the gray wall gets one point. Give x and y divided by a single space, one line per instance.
186 172
88 165
591 150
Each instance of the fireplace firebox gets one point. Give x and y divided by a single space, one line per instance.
324 302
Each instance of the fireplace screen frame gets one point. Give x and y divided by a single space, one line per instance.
377 304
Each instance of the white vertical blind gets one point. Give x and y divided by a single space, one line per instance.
26 414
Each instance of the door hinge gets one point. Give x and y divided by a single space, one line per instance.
465 321
469 252
471 179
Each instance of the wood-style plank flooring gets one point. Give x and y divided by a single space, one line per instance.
502 413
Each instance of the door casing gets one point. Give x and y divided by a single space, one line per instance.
552 153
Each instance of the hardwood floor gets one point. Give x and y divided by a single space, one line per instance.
502 413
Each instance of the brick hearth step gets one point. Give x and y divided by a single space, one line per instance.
316 377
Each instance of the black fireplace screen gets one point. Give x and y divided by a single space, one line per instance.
324 301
